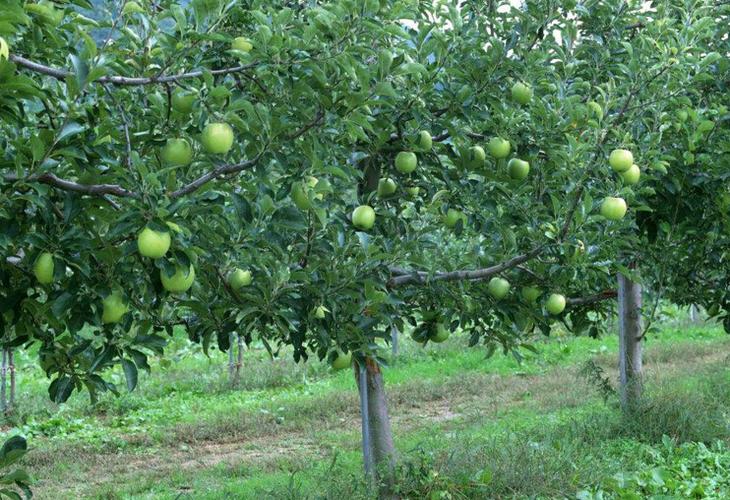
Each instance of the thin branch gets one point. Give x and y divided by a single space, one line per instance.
221 171
421 277
307 127
67 185
62 74
592 299
571 211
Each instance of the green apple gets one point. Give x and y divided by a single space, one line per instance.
239 278
180 281
413 190
363 217
132 8
4 49
613 208
555 303
43 268
114 308
424 141
313 182
476 156
153 244
631 176
620 160
182 102
174 226
498 147
217 138
300 197
177 153
521 93
342 361
530 293
242 44
320 312
498 288
453 216
386 187
405 162
442 333
518 169
596 109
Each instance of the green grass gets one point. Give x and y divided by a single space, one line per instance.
483 426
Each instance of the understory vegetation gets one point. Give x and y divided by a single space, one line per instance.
468 427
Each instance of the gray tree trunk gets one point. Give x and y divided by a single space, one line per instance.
3 382
381 451
394 340
239 360
630 342
11 362
368 458
693 314
231 354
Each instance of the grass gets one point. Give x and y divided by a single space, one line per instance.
464 425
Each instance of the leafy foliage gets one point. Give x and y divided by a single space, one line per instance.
13 450
333 91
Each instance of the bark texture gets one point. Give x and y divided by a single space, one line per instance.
630 342
378 440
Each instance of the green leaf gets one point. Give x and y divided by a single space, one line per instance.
69 130
130 373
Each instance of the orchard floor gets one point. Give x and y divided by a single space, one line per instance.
465 426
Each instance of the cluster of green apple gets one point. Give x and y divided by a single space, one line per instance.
217 138
621 161
499 288
437 334
499 148
363 217
152 244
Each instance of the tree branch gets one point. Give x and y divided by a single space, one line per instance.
307 127
592 299
422 277
67 185
62 74
221 171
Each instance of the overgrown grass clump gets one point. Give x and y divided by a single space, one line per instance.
684 425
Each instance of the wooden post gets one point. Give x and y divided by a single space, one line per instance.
630 342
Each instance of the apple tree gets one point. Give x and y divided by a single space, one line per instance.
312 176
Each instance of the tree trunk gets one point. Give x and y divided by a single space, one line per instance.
231 357
630 342
239 360
11 362
368 458
3 382
378 447
394 340
693 314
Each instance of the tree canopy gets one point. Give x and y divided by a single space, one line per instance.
106 130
